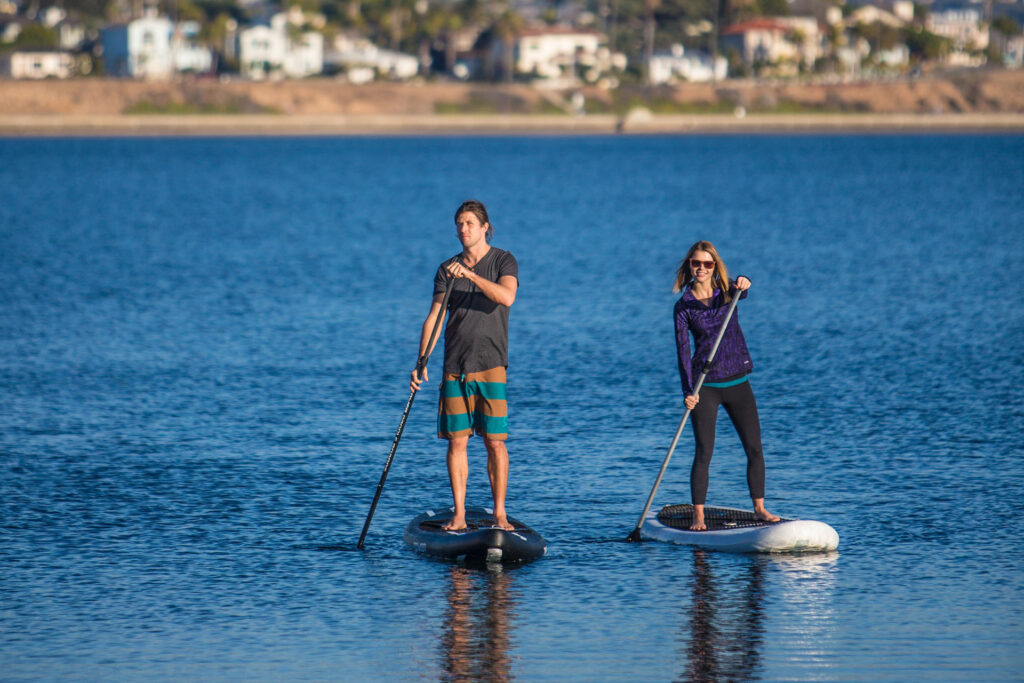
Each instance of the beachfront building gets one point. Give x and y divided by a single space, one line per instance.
187 55
36 64
680 65
873 41
361 61
139 49
869 15
780 43
857 57
153 47
279 48
962 25
558 56
761 41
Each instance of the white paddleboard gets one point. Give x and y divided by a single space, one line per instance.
738 531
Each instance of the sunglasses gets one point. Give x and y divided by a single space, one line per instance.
697 263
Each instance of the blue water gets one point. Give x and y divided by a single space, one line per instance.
204 354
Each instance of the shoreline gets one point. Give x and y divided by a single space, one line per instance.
343 125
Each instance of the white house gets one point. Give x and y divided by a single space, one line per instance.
561 55
260 51
760 40
139 49
852 56
548 52
280 49
153 47
782 42
37 64
679 65
805 33
962 25
870 15
363 61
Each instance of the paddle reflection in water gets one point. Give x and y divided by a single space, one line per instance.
724 640
477 629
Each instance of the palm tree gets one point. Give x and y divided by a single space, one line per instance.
438 22
452 25
650 24
507 27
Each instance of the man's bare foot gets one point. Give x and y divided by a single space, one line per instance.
764 515
457 523
501 521
698 524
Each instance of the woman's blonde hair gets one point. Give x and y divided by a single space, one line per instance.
719 278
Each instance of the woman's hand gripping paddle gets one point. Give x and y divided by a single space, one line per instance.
421 365
634 537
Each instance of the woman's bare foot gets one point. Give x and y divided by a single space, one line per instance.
762 514
698 519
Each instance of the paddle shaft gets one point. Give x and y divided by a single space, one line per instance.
421 366
634 536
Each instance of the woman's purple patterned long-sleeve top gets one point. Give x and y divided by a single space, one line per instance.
703 322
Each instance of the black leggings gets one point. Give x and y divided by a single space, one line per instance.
742 408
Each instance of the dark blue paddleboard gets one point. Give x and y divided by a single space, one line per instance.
480 541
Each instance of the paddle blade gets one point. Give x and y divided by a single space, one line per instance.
634 537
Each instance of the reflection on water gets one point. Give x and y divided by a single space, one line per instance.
477 625
726 624
804 588
725 638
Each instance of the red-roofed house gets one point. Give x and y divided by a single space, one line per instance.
775 40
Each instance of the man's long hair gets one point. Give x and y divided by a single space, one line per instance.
480 211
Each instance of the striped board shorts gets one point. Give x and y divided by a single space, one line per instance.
473 403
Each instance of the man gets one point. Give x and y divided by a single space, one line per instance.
475 356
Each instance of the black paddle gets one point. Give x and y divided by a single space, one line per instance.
421 365
634 537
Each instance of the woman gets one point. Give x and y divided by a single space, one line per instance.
700 311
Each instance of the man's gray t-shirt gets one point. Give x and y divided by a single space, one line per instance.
476 336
